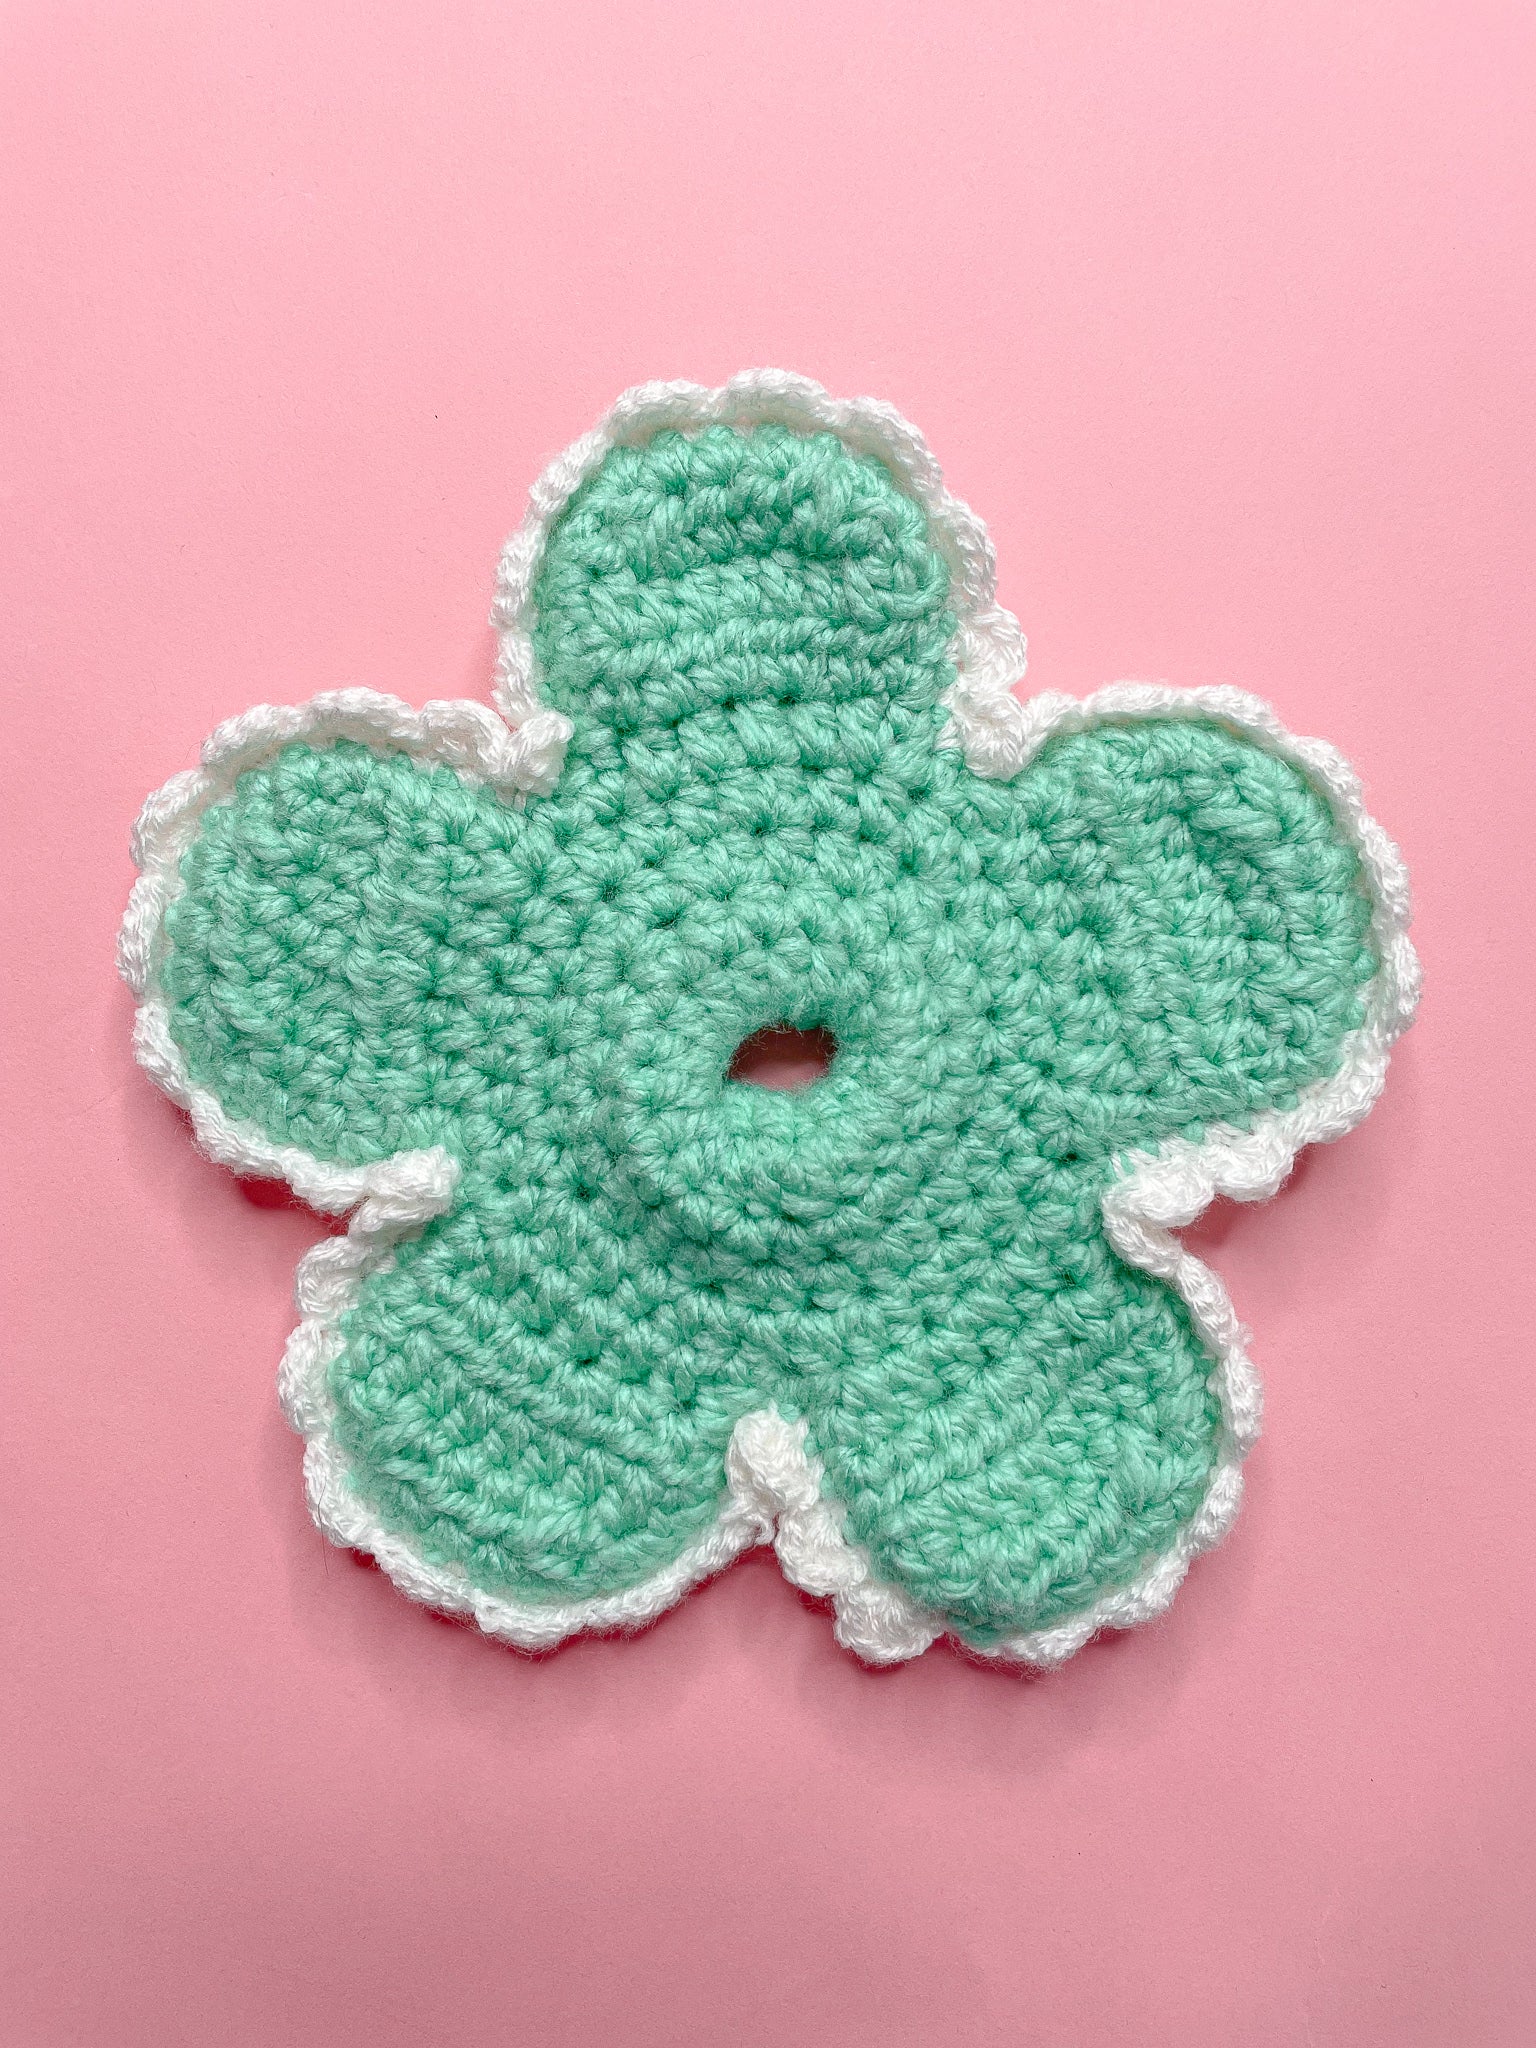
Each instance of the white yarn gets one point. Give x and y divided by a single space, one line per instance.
774 1485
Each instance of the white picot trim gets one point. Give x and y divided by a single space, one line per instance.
774 1490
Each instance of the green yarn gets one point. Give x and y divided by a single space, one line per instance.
1154 928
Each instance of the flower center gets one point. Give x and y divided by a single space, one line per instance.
779 1056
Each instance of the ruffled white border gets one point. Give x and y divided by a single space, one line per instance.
774 1490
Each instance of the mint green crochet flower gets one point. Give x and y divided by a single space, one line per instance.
607 1314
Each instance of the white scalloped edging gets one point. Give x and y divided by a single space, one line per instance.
773 1491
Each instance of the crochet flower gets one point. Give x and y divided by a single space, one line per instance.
605 1314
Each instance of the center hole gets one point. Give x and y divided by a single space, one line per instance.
782 1057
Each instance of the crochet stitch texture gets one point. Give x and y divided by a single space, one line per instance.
629 1314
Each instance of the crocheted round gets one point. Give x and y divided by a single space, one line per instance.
628 1313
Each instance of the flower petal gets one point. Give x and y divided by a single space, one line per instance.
1030 1428
1195 941
340 966
514 1422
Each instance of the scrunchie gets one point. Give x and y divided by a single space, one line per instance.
606 1314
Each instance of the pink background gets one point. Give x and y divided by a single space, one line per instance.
1221 316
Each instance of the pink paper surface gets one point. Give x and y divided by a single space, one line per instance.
1221 317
